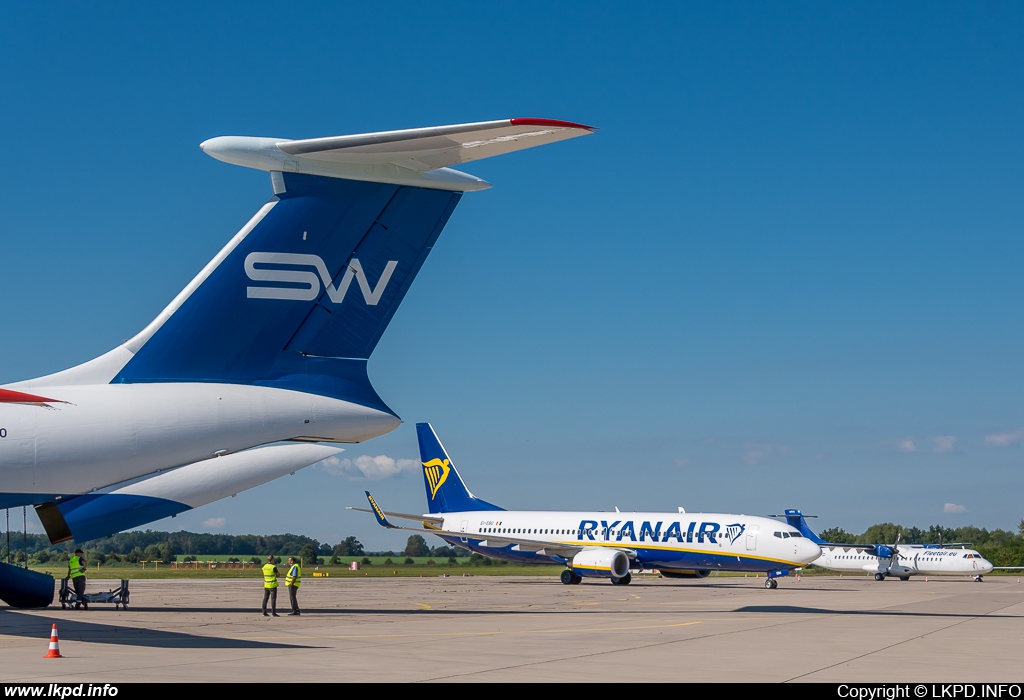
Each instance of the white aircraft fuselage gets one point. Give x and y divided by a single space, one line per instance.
669 541
103 434
911 560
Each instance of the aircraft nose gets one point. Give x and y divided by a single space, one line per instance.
986 566
808 551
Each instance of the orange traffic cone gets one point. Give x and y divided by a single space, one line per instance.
54 652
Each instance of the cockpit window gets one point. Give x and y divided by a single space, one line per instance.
795 534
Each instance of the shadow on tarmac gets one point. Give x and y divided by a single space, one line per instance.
18 624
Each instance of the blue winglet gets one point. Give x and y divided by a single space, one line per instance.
379 514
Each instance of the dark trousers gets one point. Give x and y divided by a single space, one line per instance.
271 595
293 592
79 583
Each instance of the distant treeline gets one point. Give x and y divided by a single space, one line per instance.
153 545
1001 547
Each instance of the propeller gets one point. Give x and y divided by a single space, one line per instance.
895 553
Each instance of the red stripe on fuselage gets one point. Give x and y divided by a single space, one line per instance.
8 396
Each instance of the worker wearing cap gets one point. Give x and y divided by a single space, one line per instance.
292 581
76 572
270 574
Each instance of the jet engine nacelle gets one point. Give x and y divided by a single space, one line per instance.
95 515
602 563
685 573
883 551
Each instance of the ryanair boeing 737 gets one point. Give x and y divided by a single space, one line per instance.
267 344
599 544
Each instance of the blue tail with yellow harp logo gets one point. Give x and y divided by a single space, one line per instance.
446 492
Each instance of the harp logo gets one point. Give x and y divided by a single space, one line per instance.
734 531
305 284
436 472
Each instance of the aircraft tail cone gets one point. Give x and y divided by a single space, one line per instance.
54 651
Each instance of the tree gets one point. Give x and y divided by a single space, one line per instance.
349 547
308 555
416 547
885 533
837 535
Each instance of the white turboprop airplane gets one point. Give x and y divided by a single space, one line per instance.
900 560
268 344
599 544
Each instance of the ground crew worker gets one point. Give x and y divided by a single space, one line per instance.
270 575
76 572
292 581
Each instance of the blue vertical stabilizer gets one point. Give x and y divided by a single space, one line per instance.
795 518
301 296
446 492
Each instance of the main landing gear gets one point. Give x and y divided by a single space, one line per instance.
570 577
879 577
770 583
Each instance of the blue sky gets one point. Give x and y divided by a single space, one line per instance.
785 272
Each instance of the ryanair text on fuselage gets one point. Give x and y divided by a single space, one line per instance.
627 531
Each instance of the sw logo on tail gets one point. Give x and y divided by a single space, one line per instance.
311 284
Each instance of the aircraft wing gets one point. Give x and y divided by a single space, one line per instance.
405 516
551 549
436 147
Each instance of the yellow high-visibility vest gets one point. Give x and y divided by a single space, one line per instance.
294 576
75 567
269 576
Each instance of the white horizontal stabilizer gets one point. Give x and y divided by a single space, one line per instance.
418 157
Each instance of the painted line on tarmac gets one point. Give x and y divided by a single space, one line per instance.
417 635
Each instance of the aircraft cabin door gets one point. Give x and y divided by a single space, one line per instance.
465 526
752 538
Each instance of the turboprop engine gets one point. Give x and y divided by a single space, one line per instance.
602 563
